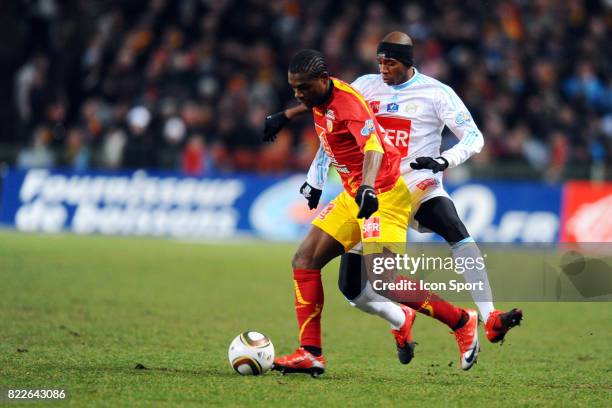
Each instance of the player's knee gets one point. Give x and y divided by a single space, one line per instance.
303 259
363 304
440 215
350 281
455 230
367 301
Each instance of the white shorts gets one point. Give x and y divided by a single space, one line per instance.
423 185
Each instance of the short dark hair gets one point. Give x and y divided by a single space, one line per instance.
310 62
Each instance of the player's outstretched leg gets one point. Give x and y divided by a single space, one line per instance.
439 215
497 323
361 295
464 323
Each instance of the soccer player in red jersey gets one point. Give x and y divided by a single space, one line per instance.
374 208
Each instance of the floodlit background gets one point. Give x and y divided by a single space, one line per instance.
182 87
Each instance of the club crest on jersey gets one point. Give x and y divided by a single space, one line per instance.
375 106
330 125
462 118
411 108
392 107
371 227
368 128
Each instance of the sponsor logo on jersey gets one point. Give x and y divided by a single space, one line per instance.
392 107
326 211
368 128
330 115
375 106
423 185
462 118
371 227
397 132
341 168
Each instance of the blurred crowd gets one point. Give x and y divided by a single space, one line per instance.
186 84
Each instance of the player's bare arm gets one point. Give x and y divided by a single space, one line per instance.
366 196
276 121
371 164
296 111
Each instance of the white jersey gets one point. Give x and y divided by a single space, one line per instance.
413 115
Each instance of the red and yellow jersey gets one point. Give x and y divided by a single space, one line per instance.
347 129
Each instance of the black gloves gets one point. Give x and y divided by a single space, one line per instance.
435 165
313 195
365 198
367 201
274 123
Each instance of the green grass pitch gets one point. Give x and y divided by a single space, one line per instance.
79 313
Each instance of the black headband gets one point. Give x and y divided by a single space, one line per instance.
400 52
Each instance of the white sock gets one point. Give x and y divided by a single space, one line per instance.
467 248
371 302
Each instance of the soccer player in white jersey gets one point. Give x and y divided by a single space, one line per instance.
413 108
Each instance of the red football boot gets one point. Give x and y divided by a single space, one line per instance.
403 337
467 339
499 323
301 361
